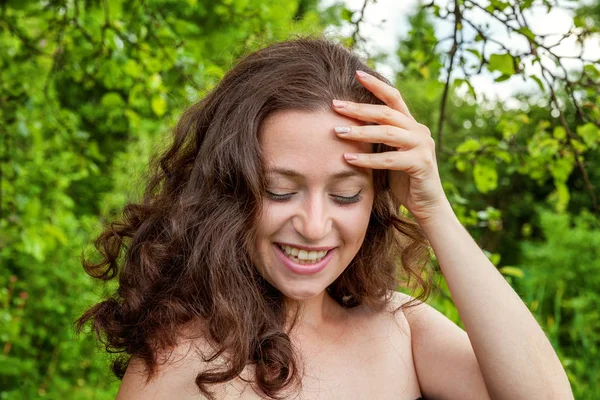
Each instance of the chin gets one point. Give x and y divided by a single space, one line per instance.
301 294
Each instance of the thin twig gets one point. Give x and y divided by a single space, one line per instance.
455 45
356 34
571 135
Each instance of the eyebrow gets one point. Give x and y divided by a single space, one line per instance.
290 173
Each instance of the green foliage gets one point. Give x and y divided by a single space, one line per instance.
504 63
88 90
513 178
561 286
590 133
417 53
485 175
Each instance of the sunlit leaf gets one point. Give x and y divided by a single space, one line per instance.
539 83
485 175
512 271
469 145
590 133
505 63
159 105
112 100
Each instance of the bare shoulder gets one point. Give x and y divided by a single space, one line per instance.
443 356
174 378
412 310
392 317
425 322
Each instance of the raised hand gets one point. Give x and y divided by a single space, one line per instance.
414 176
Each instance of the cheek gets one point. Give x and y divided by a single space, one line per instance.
366 214
354 223
271 219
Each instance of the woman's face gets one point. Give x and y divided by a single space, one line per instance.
317 206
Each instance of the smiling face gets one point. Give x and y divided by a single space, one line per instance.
317 207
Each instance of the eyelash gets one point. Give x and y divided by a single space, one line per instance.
341 200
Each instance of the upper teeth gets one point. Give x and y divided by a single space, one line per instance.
303 254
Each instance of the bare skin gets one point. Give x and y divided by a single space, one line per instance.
358 354
514 355
361 354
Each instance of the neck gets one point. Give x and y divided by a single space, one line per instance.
316 312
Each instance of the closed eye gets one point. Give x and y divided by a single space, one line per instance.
342 200
280 196
347 199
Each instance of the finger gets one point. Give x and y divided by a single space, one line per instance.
386 134
384 92
379 114
408 161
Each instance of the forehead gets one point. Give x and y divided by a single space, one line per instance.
305 142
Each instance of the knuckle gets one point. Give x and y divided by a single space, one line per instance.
387 113
388 161
430 142
388 132
425 129
428 161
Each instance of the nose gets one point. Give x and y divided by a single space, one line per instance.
313 220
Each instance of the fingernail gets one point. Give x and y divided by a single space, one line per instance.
362 74
341 129
339 104
350 157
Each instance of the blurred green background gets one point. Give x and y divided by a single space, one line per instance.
90 88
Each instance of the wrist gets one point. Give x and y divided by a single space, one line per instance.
441 215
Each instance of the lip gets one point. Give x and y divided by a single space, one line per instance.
307 248
304 269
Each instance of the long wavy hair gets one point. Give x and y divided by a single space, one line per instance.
184 253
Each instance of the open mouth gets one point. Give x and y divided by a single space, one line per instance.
301 256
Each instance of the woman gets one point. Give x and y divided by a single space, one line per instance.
263 260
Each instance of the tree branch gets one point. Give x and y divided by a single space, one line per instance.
455 45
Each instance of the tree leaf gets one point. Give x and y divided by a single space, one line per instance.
499 5
159 105
468 146
112 100
560 197
559 133
505 63
539 83
561 169
475 52
502 78
461 165
512 271
590 134
485 175
527 32
347 15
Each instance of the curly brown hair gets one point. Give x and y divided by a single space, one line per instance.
183 253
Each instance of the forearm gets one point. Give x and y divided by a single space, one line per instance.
516 359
